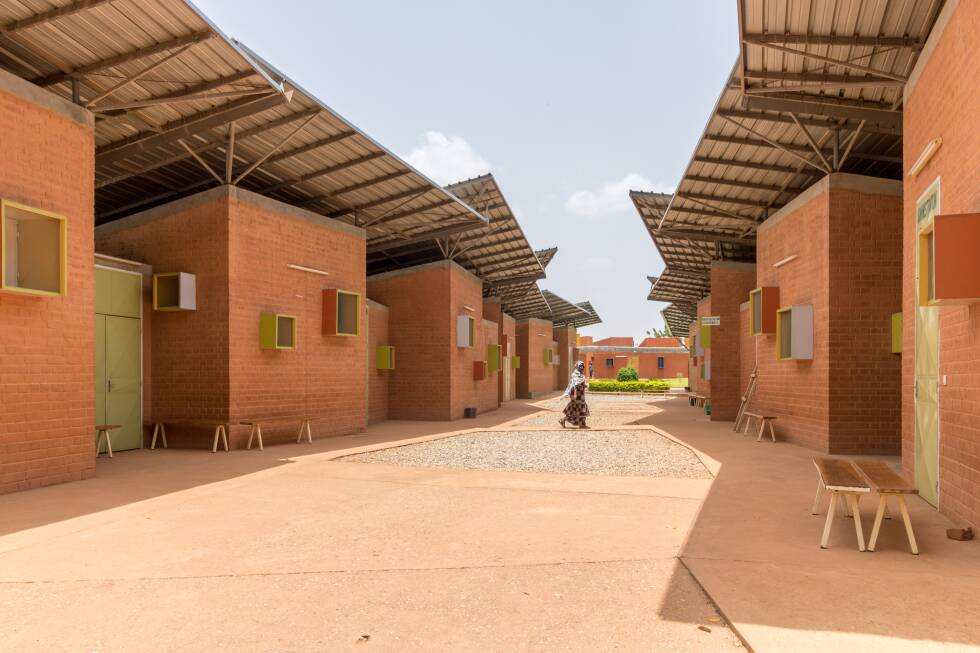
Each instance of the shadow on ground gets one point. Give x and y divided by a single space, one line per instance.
754 547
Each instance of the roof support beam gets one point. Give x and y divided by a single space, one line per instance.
813 143
408 195
358 186
51 14
832 61
705 236
832 39
126 57
716 198
187 127
124 108
819 86
204 164
772 143
132 79
822 107
749 165
323 172
315 145
391 217
416 237
272 151
707 213
201 149
739 184
809 122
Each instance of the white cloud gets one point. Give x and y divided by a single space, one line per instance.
613 197
447 159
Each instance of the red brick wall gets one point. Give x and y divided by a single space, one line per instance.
942 101
377 379
699 385
422 330
207 364
565 337
746 349
730 286
675 365
844 232
186 374
534 378
47 373
865 289
324 377
434 378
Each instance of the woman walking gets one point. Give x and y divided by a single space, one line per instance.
577 410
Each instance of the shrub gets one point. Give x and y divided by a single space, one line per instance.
608 385
627 374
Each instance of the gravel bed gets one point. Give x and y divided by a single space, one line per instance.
598 418
573 451
612 401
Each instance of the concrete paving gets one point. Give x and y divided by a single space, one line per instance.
291 550
755 549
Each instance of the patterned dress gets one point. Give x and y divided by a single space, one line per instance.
577 410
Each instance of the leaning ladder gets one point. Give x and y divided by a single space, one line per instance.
749 391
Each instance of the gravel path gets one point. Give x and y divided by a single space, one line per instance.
615 402
598 419
604 453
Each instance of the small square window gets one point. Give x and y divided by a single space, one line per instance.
610 362
660 362
277 331
33 250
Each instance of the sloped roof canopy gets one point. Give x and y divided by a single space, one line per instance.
497 252
180 108
817 88
589 320
564 312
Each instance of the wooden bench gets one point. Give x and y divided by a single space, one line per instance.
763 420
256 428
160 428
838 479
886 482
102 434
697 400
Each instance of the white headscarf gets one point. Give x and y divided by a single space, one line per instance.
578 378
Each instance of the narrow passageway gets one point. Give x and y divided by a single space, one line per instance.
291 548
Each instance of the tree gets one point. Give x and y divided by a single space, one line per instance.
660 333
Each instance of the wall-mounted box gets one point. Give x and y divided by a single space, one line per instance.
556 360
763 305
949 265
384 357
277 331
549 356
341 312
33 250
515 362
174 291
704 336
794 332
465 331
494 358
479 370
897 326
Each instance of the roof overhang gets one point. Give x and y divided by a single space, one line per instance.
181 108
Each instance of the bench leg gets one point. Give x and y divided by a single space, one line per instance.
309 432
762 430
305 428
163 433
829 521
214 444
908 524
224 436
156 430
259 433
858 530
882 507
251 432
816 499
772 431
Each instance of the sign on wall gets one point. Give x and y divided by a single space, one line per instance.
711 320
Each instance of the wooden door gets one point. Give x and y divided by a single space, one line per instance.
926 363
118 369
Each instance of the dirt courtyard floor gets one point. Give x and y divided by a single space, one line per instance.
292 550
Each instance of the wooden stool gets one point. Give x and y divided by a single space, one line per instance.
763 420
838 479
102 433
885 482
159 428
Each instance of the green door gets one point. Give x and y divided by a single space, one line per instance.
118 377
926 357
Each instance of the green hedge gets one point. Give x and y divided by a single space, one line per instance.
627 374
608 385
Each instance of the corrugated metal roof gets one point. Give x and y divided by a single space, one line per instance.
817 89
166 87
498 252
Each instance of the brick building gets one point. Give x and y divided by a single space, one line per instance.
862 217
654 358
202 258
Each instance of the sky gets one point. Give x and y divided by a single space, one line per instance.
569 104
